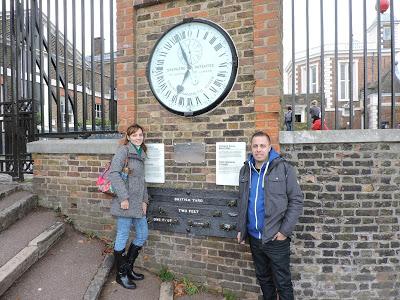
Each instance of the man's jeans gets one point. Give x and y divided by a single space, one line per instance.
123 229
271 262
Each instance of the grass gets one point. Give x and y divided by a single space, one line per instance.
190 287
165 274
228 295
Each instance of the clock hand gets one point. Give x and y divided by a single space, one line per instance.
185 57
179 87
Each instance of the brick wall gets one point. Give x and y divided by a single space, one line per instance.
346 245
67 181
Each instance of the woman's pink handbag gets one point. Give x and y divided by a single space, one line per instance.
104 184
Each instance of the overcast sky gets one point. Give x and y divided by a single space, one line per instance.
300 21
97 19
329 22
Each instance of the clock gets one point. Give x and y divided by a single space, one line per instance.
192 67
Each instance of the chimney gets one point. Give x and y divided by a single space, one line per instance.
97 46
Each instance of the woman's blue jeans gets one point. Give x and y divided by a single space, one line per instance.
123 229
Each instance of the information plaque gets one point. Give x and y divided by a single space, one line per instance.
154 164
196 212
230 157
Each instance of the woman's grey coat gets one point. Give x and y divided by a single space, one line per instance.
135 189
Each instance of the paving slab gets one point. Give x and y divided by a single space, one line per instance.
64 272
147 289
201 296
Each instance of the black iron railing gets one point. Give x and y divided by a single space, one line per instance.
356 78
49 87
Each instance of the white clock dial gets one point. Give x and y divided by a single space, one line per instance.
193 67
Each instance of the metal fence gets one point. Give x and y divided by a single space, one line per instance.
351 70
57 79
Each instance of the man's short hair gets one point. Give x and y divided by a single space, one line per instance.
260 133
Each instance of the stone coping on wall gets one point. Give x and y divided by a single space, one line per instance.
108 146
339 136
74 146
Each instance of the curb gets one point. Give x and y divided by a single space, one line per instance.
16 211
96 285
23 260
166 291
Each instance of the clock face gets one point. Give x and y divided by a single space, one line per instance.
192 67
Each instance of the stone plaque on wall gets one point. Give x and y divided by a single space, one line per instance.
197 212
189 153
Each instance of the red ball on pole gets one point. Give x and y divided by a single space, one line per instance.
383 6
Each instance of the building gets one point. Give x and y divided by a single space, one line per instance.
342 92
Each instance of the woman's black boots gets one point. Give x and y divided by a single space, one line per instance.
123 269
133 253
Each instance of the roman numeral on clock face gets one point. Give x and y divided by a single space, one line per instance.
217 47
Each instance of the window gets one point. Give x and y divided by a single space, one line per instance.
70 112
97 108
386 33
346 110
343 82
313 85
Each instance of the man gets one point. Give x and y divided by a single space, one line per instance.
270 204
288 118
315 111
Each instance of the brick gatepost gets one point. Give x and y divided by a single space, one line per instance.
125 63
256 28
268 58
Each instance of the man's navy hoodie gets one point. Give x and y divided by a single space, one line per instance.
256 210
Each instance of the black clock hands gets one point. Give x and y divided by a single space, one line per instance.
185 57
179 87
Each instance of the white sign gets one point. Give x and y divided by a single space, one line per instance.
154 164
230 157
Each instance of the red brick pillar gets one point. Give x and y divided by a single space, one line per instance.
268 60
125 63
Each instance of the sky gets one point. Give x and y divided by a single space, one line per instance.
300 21
97 17
329 22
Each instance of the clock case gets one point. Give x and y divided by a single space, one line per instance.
231 79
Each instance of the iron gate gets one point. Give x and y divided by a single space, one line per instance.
50 85
16 109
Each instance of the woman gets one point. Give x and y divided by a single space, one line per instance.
129 205
316 124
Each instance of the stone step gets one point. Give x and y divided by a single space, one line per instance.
18 235
29 255
7 189
66 270
14 206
